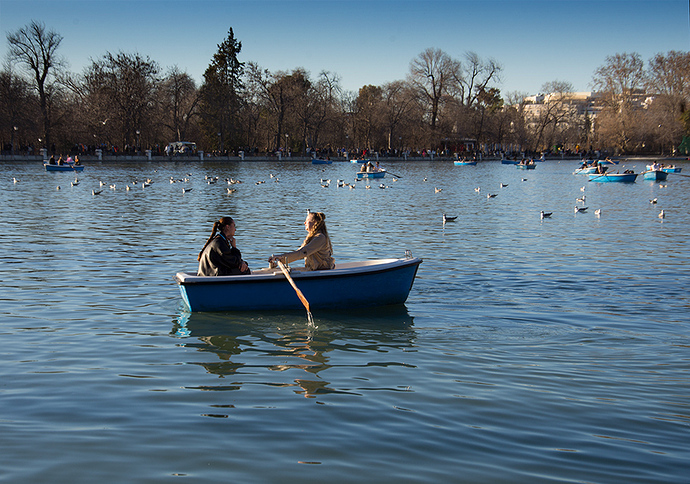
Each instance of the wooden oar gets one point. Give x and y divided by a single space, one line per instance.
674 173
294 286
396 176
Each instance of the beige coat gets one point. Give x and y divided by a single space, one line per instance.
317 254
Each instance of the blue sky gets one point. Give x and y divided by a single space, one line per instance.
365 42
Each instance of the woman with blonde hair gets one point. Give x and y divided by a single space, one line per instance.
220 256
316 250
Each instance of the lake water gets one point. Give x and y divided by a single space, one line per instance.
529 350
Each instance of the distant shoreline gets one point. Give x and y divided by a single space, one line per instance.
304 159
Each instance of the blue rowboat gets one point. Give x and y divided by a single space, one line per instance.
613 177
68 167
460 163
350 285
672 169
509 162
371 174
657 175
319 161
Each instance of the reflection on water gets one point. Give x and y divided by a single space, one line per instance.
247 345
554 348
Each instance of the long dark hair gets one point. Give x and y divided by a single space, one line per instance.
217 227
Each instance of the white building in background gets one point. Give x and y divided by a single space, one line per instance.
582 103
588 103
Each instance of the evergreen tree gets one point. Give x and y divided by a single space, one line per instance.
220 100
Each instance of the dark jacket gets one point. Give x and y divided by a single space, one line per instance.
220 259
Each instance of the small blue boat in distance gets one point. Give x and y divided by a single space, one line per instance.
585 170
658 175
613 177
66 167
371 174
321 161
527 165
463 162
350 285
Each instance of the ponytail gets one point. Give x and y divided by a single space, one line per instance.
217 226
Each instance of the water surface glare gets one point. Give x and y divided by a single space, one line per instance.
529 350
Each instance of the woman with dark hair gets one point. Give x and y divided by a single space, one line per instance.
316 249
220 256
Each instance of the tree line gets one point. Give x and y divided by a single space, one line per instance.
125 103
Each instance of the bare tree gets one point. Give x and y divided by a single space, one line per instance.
621 80
327 91
303 100
179 98
434 74
369 111
515 120
554 111
274 97
475 77
488 103
35 48
398 100
668 78
16 109
348 109
122 90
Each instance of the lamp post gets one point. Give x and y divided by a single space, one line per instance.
138 147
12 140
43 151
286 143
